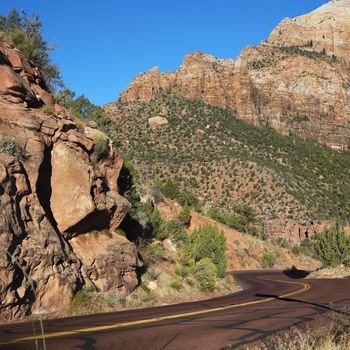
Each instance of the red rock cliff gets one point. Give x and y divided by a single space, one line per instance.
297 81
54 189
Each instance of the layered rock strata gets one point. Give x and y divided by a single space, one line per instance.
54 188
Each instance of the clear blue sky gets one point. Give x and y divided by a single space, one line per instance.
104 44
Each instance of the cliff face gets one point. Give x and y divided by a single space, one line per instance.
328 28
54 189
296 82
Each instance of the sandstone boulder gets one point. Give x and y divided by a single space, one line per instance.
71 182
109 261
13 85
157 122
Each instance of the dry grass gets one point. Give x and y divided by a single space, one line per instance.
335 335
331 272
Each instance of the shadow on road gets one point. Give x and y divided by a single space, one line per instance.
294 273
323 307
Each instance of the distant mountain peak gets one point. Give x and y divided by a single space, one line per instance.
328 28
297 81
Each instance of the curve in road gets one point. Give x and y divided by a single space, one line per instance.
208 324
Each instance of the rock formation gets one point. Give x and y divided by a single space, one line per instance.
54 190
296 82
327 28
157 123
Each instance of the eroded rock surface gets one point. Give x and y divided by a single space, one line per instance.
53 186
109 261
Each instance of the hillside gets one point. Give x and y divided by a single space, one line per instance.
295 82
226 161
244 252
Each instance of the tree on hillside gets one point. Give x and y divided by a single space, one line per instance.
207 242
333 246
185 215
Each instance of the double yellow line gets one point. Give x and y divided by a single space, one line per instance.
162 318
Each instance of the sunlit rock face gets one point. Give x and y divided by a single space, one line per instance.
53 187
328 28
298 81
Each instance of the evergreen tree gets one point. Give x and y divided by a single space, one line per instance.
25 34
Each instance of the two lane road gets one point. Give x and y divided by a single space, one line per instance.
270 302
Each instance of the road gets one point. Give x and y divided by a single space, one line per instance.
270 302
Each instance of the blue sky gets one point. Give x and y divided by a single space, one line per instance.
104 44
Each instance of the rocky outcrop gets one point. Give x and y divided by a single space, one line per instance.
325 29
108 261
157 123
54 186
21 81
296 82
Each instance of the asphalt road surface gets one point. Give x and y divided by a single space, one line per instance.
270 302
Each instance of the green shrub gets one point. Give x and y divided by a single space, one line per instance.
157 223
174 230
205 273
10 147
176 285
107 233
100 144
116 299
268 260
283 243
333 246
182 271
187 197
152 251
170 189
207 242
120 232
47 110
81 300
189 282
241 221
230 279
307 247
185 215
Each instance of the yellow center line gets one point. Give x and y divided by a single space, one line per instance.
162 318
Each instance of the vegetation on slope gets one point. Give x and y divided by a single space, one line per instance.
225 161
332 246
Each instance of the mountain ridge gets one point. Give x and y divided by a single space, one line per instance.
293 82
